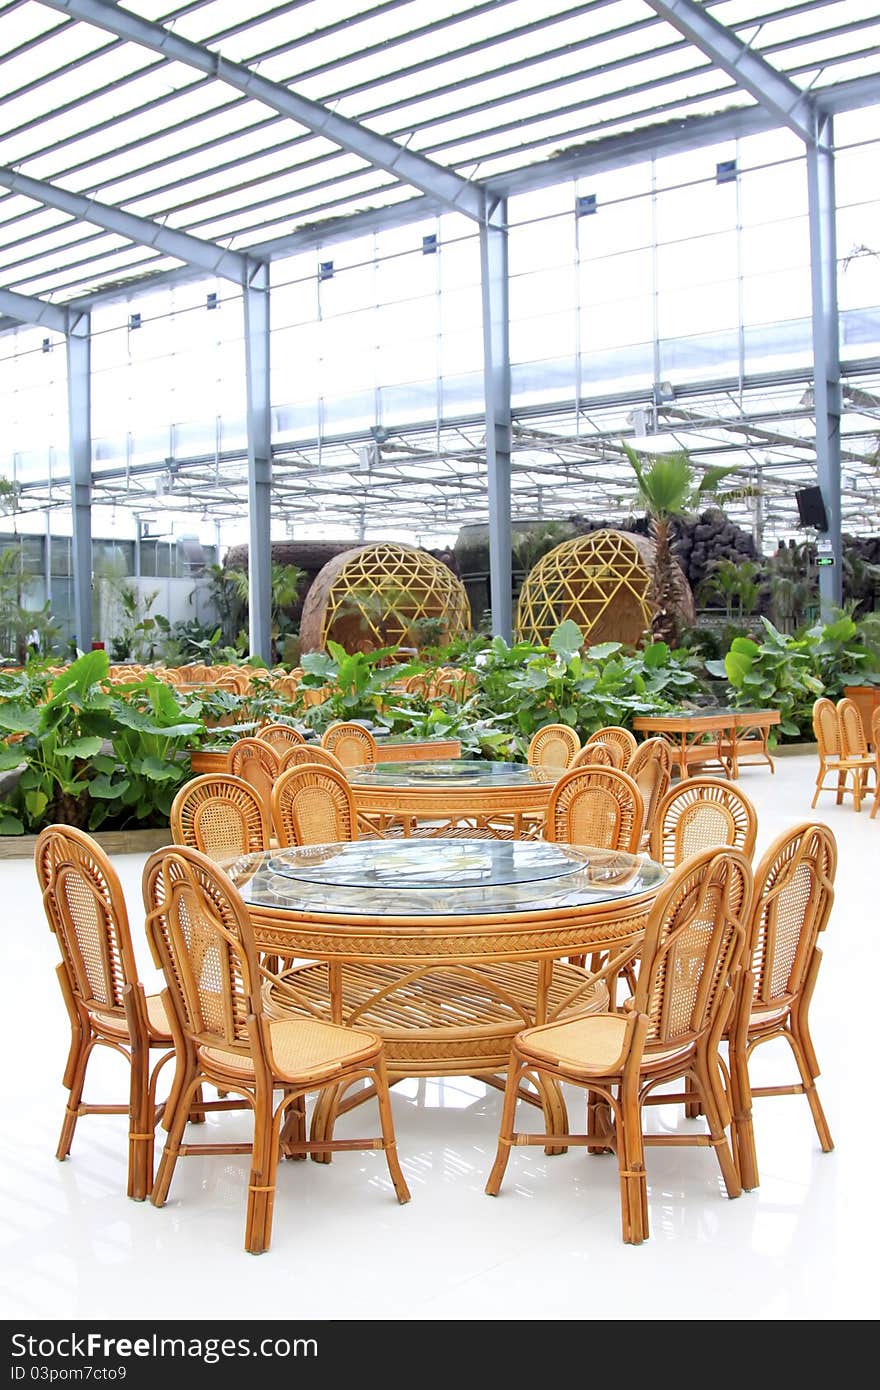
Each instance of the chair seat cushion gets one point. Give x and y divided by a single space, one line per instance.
300 1048
592 1044
115 1026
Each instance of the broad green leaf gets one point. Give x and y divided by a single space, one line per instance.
567 640
814 684
841 631
79 748
157 769
716 668
745 646
19 719
36 803
602 650
104 788
737 665
11 756
10 825
656 655
88 669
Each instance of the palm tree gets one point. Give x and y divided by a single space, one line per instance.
669 488
737 583
286 582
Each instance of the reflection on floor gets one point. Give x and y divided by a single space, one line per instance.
73 1246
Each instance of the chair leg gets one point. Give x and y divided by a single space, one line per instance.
77 1081
177 1125
597 1122
386 1120
293 1130
802 1047
261 1181
716 1129
323 1117
742 1129
141 1129
555 1112
515 1073
631 1164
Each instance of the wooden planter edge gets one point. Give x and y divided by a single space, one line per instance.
113 841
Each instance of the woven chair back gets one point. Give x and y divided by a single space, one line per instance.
693 943
794 894
556 745
313 805
826 728
621 738
256 762
595 806
85 908
352 744
221 816
301 753
597 755
699 814
280 737
853 743
651 770
875 730
201 936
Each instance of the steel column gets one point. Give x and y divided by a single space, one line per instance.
80 456
259 441
826 348
496 378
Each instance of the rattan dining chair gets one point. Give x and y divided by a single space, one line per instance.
300 753
691 962
622 738
598 755
875 739
105 1001
702 813
794 894
352 744
651 770
313 805
280 737
220 815
256 762
854 755
553 746
598 806
202 938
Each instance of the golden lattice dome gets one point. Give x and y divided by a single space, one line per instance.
602 582
384 594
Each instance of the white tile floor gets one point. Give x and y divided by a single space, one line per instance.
800 1247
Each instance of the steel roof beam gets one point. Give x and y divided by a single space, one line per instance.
748 68
26 309
455 191
230 265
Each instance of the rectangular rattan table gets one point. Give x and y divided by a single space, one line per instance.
722 738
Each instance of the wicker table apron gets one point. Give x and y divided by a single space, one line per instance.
483 797
448 973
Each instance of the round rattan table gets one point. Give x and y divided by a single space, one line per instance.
446 947
461 796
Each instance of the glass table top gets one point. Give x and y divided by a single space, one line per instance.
716 712
440 877
453 773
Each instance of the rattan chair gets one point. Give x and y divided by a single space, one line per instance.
280 737
598 755
651 770
220 815
203 940
854 755
105 1000
313 805
688 982
352 744
300 753
875 739
598 806
702 813
553 746
257 763
794 893
623 739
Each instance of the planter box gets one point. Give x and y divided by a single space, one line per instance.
398 751
111 841
867 698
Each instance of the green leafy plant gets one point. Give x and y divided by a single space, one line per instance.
91 755
669 488
737 584
356 683
21 627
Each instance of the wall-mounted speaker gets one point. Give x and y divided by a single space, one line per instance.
811 508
